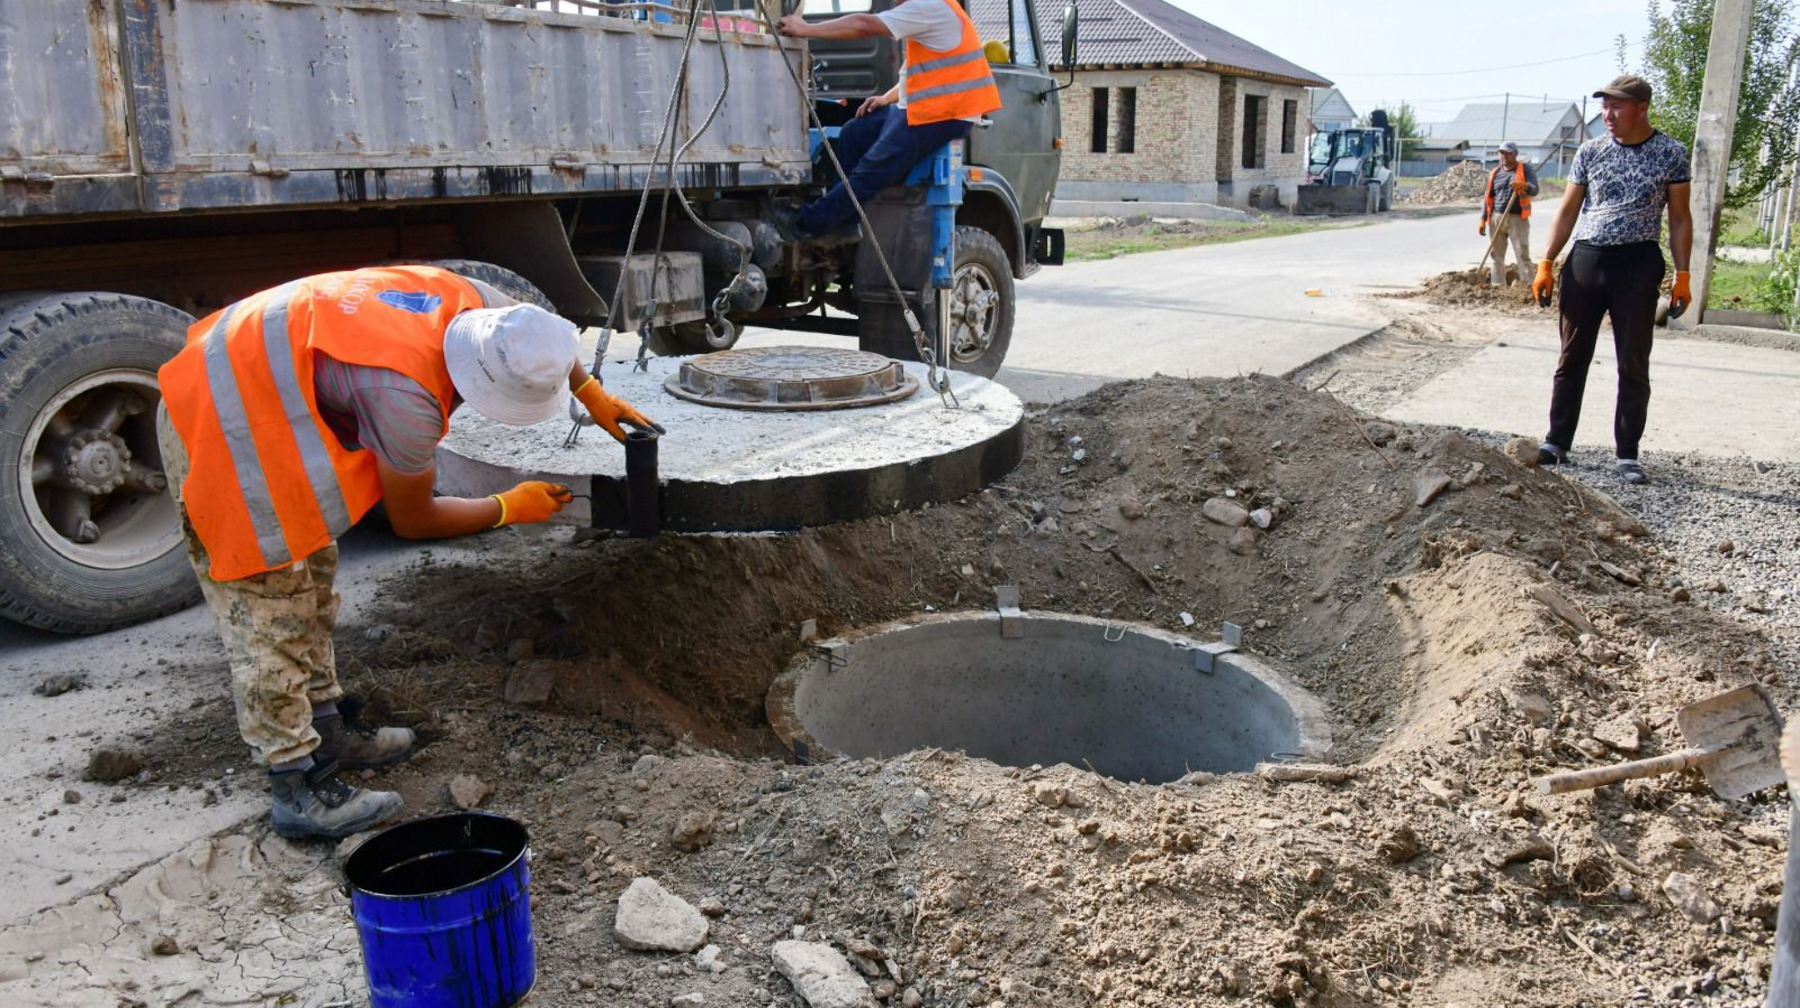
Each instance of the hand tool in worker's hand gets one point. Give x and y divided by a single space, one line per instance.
1496 234
1733 738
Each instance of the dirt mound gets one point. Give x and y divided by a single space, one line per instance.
1472 289
1470 622
1462 182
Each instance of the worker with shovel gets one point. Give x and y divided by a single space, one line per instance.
1510 186
286 418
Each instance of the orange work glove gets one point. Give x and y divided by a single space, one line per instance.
609 410
1519 187
1544 284
1482 229
1680 297
531 501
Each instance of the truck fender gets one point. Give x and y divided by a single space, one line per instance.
990 204
529 239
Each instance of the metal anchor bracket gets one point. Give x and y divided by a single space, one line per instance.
1206 656
1012 618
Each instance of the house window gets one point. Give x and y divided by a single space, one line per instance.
1127 120
1290 117
1102 112
1254 106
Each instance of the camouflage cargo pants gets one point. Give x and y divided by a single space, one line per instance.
276 628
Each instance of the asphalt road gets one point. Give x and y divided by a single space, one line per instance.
1213 310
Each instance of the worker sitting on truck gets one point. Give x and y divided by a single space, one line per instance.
1510 187
288 416
945 88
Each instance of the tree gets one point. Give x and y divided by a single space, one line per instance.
1403 119
1768 113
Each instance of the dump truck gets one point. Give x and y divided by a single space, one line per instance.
617 162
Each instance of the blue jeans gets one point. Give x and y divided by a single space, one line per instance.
877 150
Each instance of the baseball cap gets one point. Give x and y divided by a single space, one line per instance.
1509 146
1629 87
511 364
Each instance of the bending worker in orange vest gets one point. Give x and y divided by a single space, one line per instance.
1515 180
286 417
945 86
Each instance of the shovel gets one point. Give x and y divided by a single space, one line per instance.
1733 738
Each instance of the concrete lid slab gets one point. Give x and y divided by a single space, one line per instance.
736 470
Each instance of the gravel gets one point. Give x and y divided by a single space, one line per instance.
1694 505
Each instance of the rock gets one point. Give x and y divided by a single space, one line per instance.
1527 848
1242 541
1379 432
164 945
1726 547
468 791
1224 512
71 797
1428 484
1131 510
1717 587
1680 594
1522 451
1262 518
645 764
59 684
821 975
1624 732
1399 846
1690 898
1620 574
653 919
912 998
707 960
1561 608
693 831
712 906
108 765
1511 491
687 1000
530 683
1531 706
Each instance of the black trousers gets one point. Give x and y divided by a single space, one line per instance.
1597 279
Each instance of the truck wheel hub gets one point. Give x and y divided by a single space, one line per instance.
95 461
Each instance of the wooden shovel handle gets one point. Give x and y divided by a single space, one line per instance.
1593 777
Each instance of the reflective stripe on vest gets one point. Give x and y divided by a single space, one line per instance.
1522 201
268 482
952 85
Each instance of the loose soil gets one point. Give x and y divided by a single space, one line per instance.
1473 289
1463 644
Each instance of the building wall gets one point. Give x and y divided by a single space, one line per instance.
1188 141
1175 136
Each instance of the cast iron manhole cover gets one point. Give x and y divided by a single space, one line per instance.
792 378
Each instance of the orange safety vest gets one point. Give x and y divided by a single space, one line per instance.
268 482
949 85
1522 201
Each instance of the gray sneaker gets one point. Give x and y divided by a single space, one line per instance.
317 803
358 745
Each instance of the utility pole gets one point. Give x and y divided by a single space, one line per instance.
1712 144
1505 113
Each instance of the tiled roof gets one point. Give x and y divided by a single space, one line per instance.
1145 32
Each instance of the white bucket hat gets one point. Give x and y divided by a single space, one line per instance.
511 364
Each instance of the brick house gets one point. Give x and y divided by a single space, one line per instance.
1169 108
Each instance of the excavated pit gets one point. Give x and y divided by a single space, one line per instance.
1128 701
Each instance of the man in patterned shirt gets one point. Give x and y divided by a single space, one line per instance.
1618 188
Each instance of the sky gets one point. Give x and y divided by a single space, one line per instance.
1436 55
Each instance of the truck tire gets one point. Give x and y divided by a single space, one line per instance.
498 277
697 337
89 538
981 303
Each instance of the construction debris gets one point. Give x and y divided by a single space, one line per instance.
1462 182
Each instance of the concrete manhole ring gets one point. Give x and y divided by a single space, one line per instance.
792 378
1126 700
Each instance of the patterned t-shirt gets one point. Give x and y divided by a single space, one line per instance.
381 410
1627 187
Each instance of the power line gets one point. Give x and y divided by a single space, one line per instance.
1458 73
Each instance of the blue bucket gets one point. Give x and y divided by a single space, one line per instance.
443 910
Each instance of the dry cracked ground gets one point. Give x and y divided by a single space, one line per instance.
1468 620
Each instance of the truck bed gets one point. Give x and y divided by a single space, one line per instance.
127 107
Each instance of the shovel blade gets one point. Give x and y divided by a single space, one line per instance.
1745 723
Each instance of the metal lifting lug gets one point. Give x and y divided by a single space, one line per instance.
269 170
